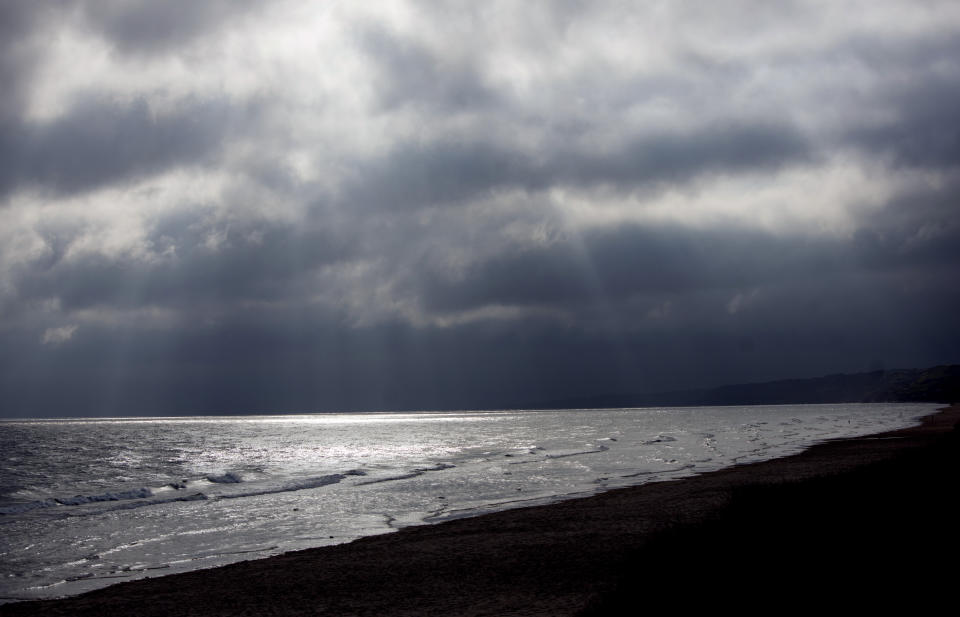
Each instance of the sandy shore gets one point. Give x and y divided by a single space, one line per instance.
857 522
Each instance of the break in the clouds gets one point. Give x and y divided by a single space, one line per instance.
282 206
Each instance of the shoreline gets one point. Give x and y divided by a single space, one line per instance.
602 553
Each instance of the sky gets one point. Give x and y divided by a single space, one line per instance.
238 206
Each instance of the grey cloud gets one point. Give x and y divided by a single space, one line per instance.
909 56
19 53
132 27
411 74
923 132
915 236
919 229
99 143
413 176
614 264
897 99
257 261
919 127
443 172
668 158
147 27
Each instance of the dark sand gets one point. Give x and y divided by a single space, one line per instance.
854 524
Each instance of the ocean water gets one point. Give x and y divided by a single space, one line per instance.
85 503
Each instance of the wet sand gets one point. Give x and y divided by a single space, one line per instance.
856 523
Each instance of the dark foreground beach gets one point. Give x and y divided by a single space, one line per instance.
851 524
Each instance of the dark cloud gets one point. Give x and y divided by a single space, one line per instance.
916 236
614 264
253 262
463 207
922 130
100 142
918 231
718 148
651 307
296 361
415 175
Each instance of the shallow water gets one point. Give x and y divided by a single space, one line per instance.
85 503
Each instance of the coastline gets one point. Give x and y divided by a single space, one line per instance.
837 516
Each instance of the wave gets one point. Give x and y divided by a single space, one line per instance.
130 505
139 497
655 472
134 498
76 500
229 477
600 448
300 485
412 474
660 439
137 493
537 450
20 508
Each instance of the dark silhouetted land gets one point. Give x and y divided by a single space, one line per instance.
936 384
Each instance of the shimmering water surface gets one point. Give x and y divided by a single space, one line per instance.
89 502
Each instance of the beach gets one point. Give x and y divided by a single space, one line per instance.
858 522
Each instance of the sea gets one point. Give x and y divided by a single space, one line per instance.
89 502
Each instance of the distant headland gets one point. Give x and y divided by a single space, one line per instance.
939 384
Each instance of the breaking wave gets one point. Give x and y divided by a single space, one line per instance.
299 485
77 500
229 477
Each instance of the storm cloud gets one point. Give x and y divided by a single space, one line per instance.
228 207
